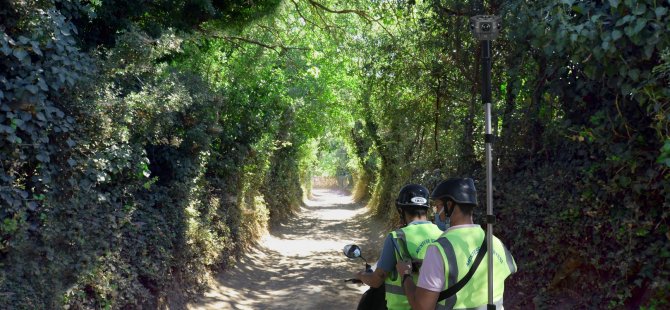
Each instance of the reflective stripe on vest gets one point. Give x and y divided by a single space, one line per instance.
453 270
458 248
411 241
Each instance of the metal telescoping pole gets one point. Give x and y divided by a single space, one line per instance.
486 99
486 28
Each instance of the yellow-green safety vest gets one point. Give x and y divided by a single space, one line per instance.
411 241
458 248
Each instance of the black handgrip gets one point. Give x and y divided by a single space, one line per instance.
353 280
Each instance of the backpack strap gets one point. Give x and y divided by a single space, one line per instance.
453 289
403 252
400 243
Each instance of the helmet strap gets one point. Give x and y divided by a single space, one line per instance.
449 211
402 216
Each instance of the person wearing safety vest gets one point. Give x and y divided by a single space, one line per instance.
449 259
408 243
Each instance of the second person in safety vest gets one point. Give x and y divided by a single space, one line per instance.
407 244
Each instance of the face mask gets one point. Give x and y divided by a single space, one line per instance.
442 225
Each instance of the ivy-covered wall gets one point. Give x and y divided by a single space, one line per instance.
123 181
582 117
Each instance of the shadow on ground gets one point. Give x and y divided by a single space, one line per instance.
300 264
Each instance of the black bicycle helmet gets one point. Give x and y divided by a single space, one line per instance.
413 195
460 190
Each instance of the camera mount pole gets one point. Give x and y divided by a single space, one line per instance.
485 28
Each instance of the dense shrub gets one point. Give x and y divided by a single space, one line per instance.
582 113
119 172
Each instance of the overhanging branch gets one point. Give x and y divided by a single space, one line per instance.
360 13
262 44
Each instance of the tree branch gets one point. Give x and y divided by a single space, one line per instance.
297 9
360 13
450 12
268 46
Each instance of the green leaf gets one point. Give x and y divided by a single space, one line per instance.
32 89
573 37
666 147
36 48
614 3
590 71
660 11
648 51
32 206
640 9
9 225
624 181
631 31
616 34
641 232
624 20
7 129
43 85
25 116
605 45
42 157
20 54
6 49
664 157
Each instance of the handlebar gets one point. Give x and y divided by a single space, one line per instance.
368 269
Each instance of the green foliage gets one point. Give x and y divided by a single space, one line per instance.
136 165
143 143
104 19
597 63
331 156
583 101
117 185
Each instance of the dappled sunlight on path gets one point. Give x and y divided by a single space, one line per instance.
300 265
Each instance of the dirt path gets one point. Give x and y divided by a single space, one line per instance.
300 265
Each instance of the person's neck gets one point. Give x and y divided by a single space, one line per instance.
458 218
417 218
